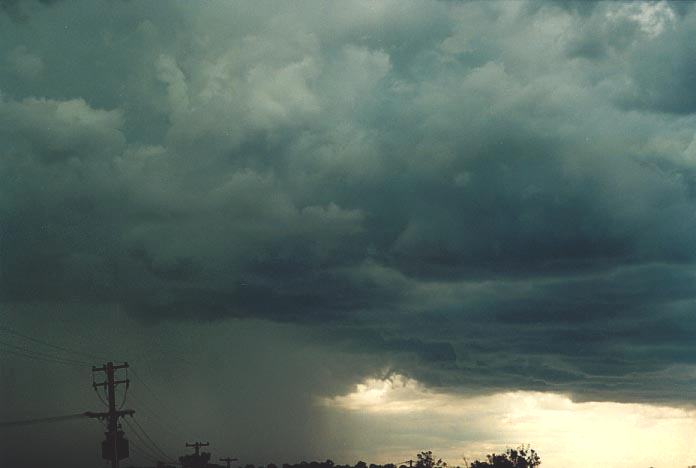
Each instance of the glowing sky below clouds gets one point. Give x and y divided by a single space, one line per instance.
567 434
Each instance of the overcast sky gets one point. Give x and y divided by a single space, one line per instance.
310 226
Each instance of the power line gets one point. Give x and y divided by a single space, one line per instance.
101 398
45 343
149 456
143 453
142 406
43 354
39 358
135 421
125 395
144 449
152 447
151 451
125 392
152 392
52 419
147 387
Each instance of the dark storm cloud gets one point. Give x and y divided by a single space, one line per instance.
11 4
484 194
18 10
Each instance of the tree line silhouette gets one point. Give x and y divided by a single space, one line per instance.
521 457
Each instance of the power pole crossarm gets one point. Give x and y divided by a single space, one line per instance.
119 413
113 366
115 447
197 446
228 460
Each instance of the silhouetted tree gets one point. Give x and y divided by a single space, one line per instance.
426 460
522 457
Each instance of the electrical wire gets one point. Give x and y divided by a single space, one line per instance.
145 449
147 387
125 392
143 453
156 397
125 395
101 398
51 419
152 447
45 343
153 416
154 444
43 354
152 451
41 358
151 443
140 451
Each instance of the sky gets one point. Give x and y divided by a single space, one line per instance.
351 230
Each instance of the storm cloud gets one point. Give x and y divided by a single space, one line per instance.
485 196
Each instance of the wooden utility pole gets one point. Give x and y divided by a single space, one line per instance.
115 447
228 460
197 446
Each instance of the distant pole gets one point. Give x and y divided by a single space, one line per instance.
197 446
228 460
113 414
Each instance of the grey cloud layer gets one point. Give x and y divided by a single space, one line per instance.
492 194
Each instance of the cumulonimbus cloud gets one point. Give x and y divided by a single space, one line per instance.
493 195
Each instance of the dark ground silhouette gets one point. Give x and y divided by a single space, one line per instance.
521 457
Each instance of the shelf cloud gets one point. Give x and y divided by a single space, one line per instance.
485 197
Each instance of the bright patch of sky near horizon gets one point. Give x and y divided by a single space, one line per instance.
567 434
